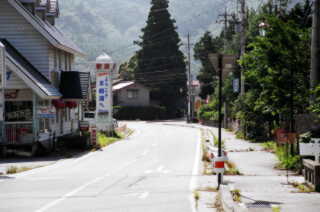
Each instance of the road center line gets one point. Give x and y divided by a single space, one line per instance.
70 194
73 192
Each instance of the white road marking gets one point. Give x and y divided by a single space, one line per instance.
154 145
70 194
73 192
144 195
195 171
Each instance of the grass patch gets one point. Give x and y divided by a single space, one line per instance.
15 169
104 140
218 204
236 195
232 169
286 161
276 209
208 189
196 196
216 142
269 146
240 135
302 187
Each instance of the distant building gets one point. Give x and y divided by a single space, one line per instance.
130 93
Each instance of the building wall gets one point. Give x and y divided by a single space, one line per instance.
29 42
143 98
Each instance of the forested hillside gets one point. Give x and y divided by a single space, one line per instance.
113 25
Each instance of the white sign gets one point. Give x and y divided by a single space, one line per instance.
46 112
103 87
236 85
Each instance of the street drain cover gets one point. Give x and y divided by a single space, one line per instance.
259 204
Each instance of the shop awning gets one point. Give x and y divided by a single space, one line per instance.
29 74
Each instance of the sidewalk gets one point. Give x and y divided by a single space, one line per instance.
260 181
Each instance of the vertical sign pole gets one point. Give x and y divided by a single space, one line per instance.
2 84
220 57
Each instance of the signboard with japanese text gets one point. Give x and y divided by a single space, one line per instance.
103 87
46 112
105 67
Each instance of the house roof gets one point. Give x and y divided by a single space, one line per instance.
50 32
122 85
28 73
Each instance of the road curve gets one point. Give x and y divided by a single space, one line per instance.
151 171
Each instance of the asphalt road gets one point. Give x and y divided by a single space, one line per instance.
152 171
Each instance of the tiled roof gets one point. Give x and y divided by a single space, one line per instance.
32 73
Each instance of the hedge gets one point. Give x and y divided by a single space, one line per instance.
143 113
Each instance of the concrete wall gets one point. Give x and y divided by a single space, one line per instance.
143 98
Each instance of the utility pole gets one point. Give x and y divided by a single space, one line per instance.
224 20
243 17
315 47
190 115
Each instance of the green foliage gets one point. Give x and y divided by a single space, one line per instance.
216 142
127 69
209 111
104 140
142 113
161 64
275 68
286 160
270 146
206 45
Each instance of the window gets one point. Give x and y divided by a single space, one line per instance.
18 111
132 93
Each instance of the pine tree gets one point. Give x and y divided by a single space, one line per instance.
161 64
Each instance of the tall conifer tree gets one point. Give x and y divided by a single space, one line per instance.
161 64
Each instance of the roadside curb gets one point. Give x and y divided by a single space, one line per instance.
227 201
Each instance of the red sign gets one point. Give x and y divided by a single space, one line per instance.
284 137
94 136
219 164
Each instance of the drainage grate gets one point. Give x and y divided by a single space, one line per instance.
259 204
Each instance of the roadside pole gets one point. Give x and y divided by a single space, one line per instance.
189 118
315 45
220 68
222 63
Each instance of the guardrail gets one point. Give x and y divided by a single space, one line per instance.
312 173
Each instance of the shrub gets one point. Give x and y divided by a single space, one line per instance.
142 113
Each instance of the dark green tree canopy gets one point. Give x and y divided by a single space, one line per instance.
202 49
160 63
